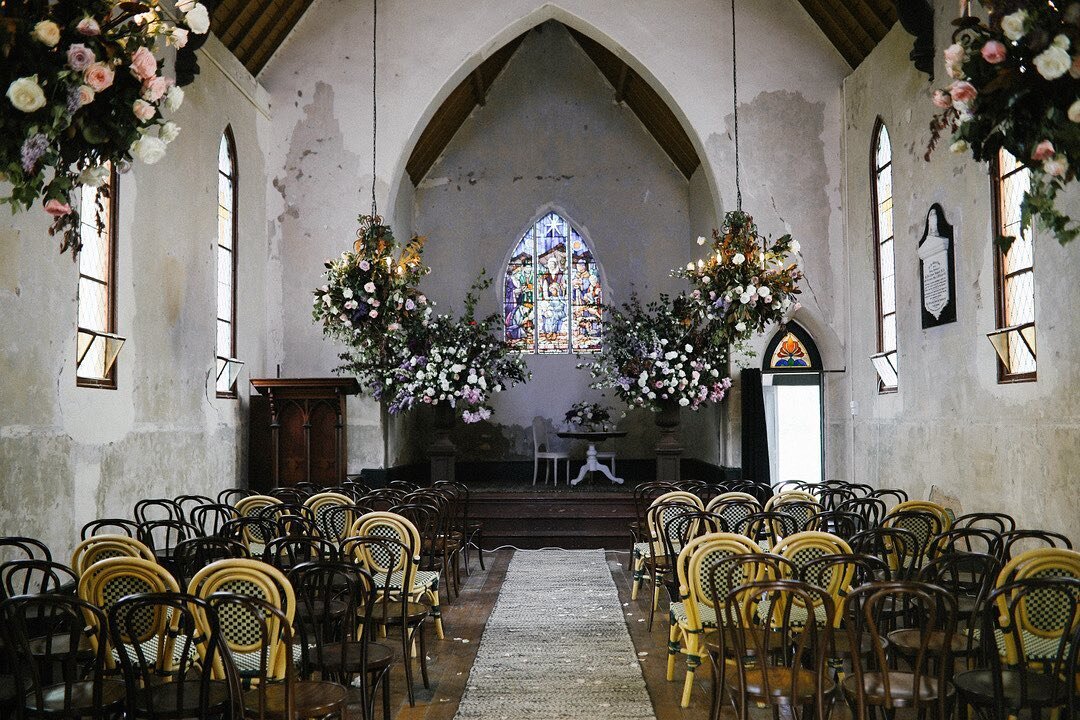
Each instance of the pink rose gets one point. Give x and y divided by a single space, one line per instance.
1043 151
143 110
80 57
99 76
942 99
88 27
963 91
994 52
86 95
143 64
56 208
154 89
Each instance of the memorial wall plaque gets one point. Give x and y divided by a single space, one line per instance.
937 274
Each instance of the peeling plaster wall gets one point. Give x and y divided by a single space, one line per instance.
69 455
319 157
1012 448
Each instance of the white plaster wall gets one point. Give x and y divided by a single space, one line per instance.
1012 447
69 455
319 158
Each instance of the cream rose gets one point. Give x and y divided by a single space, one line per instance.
1057 166
47 32
149 149
1053 62
960 146
1074 112
86 95
26 95
1013 24
174 98
143 110
169 131
198 19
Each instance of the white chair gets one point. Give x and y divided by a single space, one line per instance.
541 451
607 455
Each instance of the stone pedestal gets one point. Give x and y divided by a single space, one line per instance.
442 452
669 449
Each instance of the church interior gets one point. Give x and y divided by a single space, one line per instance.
465 360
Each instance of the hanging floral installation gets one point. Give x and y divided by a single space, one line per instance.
84 87
1016 85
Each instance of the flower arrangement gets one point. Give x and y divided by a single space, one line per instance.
588 416
746 283
83 88
1016 85
459 361
371 303
657 355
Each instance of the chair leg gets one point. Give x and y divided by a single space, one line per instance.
423 657
406 660
436 613
639 575
672 650
536 468
692 663
479 535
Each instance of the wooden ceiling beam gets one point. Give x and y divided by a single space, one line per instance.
833 32
273 40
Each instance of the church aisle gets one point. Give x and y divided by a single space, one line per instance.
556 645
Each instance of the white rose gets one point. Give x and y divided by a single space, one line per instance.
1057 166
739 259
149 149
683 402
1053 62
169 132
93 176
198 19
745 298
795 246
689 266
369 287
741 327
1013 25
688 347
26 95
1061 41
700 240
174 98
47 32
764 291
960 146
347 293
1074 112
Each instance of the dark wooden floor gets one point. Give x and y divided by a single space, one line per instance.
451 659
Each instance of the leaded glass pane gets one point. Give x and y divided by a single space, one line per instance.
225 193
1020 298
883 154
225 156
93 305
552 322
790 353
224 336
1018 277
93 363
519 300
586 297
883 197
888 332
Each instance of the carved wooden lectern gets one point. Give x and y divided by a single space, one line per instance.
298 431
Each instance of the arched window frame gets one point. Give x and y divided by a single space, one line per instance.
225 263
1007 223
90 338
508 259
883 207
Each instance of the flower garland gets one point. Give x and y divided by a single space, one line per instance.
745 284
1016 85
656 354
588 416
456 361
83 88
371 303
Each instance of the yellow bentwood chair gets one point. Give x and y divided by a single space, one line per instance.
1041 613
102 547
652 551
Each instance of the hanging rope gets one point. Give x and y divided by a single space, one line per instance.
374 99
735 96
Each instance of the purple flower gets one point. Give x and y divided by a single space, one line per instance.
80 57
74 100
32 150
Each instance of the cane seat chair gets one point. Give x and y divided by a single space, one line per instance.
784 662
802 549
1037 623
178 681
695 614
876 682
423 586
924 524
251 530
769 528
272 691
102 547
56 678
644 496
240 629
1041 615
671 524
804 512
253 504
645 551
320 503
735 507
944 517
786 496
891 544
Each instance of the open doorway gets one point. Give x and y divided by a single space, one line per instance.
791 380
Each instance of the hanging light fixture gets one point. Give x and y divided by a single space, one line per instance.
374 101
735 106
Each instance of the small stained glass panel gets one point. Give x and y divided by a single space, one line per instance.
790 353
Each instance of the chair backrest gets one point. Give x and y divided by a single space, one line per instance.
890 496
393 526
805 547
872 510
164 535
540 438
23 548
769 527
838 522
1019 540
694 566
669 499
102 547
842 572
209 518
109 526
157 509
789 496
994 521
187 503
252 504
647 492
194 554
33 577
683 523
259 637
938 511
320 503
896 546
253 531
924 524
1036 619
43 636
285 553
1040 563
964 540
804 511
965 575
231 496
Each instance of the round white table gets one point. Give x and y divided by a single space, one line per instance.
591 465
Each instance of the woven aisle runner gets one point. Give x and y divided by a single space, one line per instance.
556 646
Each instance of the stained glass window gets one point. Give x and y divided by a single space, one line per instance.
96 283
552 295
790 353
226 260
1016 267
883 242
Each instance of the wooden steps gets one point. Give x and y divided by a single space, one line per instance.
554 519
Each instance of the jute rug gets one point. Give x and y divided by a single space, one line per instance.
556 646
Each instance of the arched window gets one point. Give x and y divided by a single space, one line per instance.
1014 284
793 390
226 265
552 293
97 347
882 190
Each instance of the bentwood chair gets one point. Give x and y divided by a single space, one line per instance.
109 526
187 503
1035 625
209 518
871 510
287 552
36 577
472 530
645 551
23 548
167 666
681 527
334 607
804 548
1014 542
784 662
272 690
876 681
735 508
102 547
644 495
253 531
55 675
231 496
157 509
769 528
193 555
993 521
838 522
332 527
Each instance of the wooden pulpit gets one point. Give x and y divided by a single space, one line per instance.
298 431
